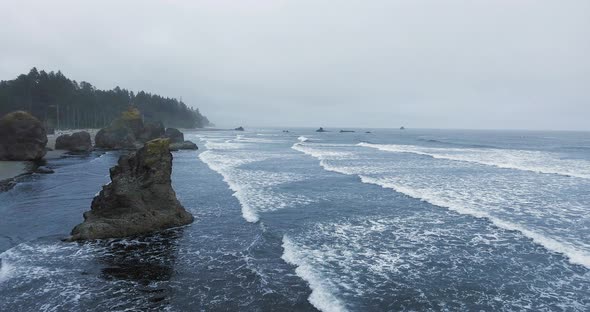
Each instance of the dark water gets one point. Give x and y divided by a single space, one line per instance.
385 221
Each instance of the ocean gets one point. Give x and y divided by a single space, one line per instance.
373 220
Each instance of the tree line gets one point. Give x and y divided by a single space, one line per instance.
66 104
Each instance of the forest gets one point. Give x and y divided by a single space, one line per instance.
62 103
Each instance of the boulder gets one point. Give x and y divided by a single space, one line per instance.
75 142
186 145
22 137
150 131
128 132
139 199
122 133
239 128
174 135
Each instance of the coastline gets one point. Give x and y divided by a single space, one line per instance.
10 170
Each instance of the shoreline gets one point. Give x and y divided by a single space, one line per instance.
11 170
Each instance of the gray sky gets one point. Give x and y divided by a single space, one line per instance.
367 63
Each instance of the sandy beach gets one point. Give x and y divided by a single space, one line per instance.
12 169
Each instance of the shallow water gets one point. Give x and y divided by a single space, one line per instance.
390 220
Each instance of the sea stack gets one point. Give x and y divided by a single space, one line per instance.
177 141
128 132
139 199
22 137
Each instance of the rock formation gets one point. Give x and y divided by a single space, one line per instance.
177 141
320 130
186 145
240 128
22 137
128 132
75 142
139 199
174 135
150 131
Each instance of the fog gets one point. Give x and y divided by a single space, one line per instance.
501 64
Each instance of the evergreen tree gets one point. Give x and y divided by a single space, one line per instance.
63 103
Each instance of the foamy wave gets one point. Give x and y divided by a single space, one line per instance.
322 296
223 166
536 161
459 197
574 254
320 154
16 262
253 188
6 270
302 139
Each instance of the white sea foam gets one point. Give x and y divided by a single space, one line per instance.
253 188
515 201
224 166
382 256
574 254
319 153
302 139
6 270
536 161
322 296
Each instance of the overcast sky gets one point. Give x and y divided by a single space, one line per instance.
369 63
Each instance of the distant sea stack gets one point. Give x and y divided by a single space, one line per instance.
320 130
22 137
240 128
139 199
128 132
177 141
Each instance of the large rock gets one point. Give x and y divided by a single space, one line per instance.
139 200
75 142
186 145
22 137
128 132
174 135
150 131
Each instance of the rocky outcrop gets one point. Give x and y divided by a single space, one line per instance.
75 142
22 137
128 132
139 199
44 170
177 141
174 135
320 130
186 145
240 128
150 131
